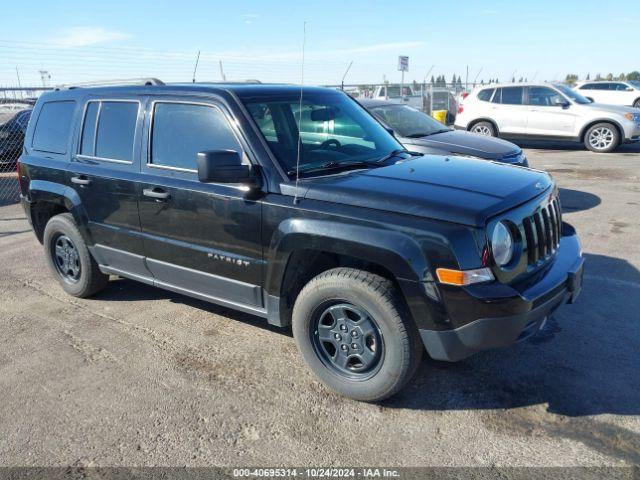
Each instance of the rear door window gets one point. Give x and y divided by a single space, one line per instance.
116 130
53 127
87 144
512 95
109 130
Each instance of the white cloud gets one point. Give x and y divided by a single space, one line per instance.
86 36
250 17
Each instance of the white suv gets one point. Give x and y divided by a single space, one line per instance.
613 93
547 111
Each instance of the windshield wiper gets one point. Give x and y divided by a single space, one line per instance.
418 135
334 166
392 154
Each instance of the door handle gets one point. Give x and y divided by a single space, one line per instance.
81 180
156 193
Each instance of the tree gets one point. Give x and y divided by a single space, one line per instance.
513 79
571 78
433 80
598 77
622 77
588 76
610 77
635 75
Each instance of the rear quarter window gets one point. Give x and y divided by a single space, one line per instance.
53 127
486 94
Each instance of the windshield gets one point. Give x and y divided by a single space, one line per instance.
407 121
635 83
572 94
333 129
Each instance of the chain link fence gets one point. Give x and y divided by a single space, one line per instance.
15 110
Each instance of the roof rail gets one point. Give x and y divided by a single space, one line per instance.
230 82
112 83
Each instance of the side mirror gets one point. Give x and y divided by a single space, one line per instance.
390 130
224 166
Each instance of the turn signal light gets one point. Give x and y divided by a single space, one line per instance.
463 277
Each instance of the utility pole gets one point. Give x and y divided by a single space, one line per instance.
466 80
19 85
345 75
224 78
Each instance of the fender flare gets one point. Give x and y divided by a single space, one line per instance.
394 251
41 191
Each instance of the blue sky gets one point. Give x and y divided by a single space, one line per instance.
80 40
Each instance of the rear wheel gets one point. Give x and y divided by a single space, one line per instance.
484 128
354 334
636 104
602 138
69 258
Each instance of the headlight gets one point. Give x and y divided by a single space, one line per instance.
629 116
502 244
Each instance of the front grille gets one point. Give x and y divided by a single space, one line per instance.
542 232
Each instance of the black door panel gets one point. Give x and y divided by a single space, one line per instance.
204 238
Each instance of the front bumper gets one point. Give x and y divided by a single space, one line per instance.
526 309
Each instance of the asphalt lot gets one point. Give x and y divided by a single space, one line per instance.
140 376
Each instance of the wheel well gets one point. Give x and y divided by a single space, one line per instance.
41 213
488 120
303 265
610 122
636 101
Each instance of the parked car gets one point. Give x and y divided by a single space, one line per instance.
548 111
392 92
12 128
419 132
370 253
612 93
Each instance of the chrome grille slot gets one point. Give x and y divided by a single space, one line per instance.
542 232
542 242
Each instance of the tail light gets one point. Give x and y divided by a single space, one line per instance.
465 95
460 108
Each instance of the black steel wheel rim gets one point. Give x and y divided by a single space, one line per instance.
347 340
66 258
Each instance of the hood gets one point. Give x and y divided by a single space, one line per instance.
453 189
620 109
466 143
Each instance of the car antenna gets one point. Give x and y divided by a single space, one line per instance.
304 39
195 69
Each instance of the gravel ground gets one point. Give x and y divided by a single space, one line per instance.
140 376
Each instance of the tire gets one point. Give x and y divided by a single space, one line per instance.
636 104
69 259
484 128
346 300
602 138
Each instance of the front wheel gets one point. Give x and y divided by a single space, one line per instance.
354 334
484 128
602 138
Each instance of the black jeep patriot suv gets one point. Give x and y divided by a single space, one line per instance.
297 206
